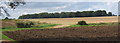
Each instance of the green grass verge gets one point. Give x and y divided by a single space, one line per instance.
92 24
4 37
41 26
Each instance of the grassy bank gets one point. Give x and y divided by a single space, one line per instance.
92 24
41 26
4 37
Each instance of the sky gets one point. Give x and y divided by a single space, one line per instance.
63 6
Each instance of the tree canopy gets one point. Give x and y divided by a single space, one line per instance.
67 14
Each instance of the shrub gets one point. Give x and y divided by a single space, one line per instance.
6 18
102 23
24 24
118 22
82 23
31 23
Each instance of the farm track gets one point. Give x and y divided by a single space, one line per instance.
84 33
5 40
59 26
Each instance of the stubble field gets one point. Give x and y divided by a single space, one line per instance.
71 21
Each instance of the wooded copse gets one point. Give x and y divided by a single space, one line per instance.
67 14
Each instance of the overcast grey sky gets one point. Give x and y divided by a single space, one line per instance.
37 7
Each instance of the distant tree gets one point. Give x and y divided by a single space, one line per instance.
109 13
77 14
67 14
14 3
104 13
6 18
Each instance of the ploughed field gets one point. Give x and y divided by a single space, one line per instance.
71 21
83 33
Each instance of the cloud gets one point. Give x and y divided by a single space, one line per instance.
108 6
89 9
72 0
59 7
37 7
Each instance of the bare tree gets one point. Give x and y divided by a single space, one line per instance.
12 4
1 14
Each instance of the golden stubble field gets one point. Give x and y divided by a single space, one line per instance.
71 21
7 23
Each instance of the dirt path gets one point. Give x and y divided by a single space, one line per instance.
59 26
4 40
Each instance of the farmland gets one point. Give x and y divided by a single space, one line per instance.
99 29
71 21
84 33
10 25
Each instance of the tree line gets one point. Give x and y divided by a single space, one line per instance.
67 14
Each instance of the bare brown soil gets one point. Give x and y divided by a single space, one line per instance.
84 33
